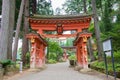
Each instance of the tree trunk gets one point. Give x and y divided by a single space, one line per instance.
7 24
12 20
97 30
18 30
25 46
85 10
92 58
34 6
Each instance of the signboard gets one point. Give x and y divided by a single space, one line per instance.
108 53
107 45
107 48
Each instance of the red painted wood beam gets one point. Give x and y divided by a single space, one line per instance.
53 27
57 36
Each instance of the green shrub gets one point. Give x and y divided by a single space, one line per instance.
100 65
95 53
72 57
61 60
51 61
117 56
53 56
5 63
27 59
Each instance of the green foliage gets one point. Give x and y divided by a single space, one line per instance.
69 42
117 56
101 64
54 48
115 34
5 63
95 53
70 52
53 56
44 7
72 57
73 6
91 29
61 60
51 61
99 4
27 59
106 16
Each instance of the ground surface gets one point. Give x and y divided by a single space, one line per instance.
59 71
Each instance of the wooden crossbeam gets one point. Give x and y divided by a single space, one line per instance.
58 36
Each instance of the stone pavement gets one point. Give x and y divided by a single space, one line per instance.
59 71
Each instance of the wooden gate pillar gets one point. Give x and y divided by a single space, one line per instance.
42 54
79 54
43 59
37 55
81 44
84 51
32 54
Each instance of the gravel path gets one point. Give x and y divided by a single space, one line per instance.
59 71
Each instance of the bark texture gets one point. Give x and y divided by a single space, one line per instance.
18 30
97 29
85 10
7 24
12 22
92 58
25 46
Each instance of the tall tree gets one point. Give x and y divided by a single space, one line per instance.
115 32
44 7
12 21
25 46
73 6
7 24
85 10
100 5
57 11
33 6
97 30
107 16
0 6
18 29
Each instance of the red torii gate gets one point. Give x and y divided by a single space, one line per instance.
64 23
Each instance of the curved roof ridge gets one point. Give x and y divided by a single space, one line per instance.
60 16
